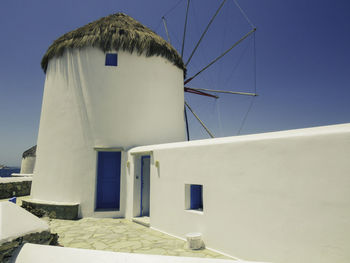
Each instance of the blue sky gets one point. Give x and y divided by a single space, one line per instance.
302 61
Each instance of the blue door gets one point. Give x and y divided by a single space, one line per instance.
145 185
108 181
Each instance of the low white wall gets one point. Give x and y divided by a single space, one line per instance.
17 222
279 197
40 253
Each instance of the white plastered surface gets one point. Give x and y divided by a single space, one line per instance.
16 222
40 253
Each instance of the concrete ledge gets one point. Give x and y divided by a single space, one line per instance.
9 187
145 221
52 210
21 175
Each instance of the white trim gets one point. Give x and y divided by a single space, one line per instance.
198 212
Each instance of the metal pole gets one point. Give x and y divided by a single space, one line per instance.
190 90
195 115
187 129
205 31
223 54
183 38
227 91
166 29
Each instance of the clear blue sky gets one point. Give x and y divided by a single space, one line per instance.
302 54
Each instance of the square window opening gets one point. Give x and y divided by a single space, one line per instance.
194 197
111 59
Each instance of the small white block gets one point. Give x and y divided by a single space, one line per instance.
194 241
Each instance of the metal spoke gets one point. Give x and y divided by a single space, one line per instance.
166 29
202 123
227 91
194 91
223 54
187 128
205 31
184 35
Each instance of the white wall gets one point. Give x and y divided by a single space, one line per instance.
27 165
87 105
278 197
17 222
32 253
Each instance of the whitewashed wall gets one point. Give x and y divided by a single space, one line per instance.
87 104
32 253
277 197
27 165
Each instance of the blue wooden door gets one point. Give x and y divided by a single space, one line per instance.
145 185
108 181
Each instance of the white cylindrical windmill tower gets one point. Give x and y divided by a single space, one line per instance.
110 85
28 161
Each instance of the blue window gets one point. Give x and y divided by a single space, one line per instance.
111 59
196 197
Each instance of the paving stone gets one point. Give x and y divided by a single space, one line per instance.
121 235
99 245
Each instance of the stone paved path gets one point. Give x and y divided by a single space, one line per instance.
121 235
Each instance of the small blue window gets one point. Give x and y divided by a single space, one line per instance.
111 59
197 197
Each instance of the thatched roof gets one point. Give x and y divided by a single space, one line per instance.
115 32
31 152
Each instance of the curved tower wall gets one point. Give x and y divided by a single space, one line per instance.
88 105
27 165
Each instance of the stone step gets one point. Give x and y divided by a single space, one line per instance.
144 220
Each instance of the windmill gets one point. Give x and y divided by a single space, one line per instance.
212 93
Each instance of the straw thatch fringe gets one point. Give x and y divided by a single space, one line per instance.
31 152
115 32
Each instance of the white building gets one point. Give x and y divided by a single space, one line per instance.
28 161
272 197
110 85
277 197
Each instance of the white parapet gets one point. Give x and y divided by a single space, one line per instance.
17 222
21 175
40 253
